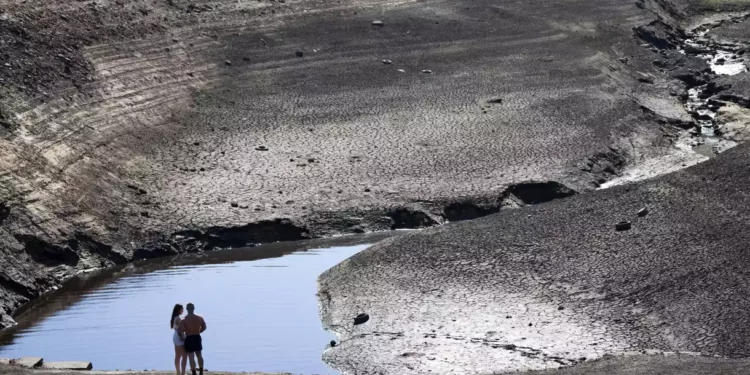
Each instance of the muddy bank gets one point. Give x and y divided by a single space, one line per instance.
673 364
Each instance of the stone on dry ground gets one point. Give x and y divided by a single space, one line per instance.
29 362
68 365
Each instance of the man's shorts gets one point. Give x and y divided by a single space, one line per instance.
193 343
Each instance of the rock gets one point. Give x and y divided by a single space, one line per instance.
245 58
262 148
227 62
401 71
495 100
623 225
299 54
235 204
648 80
367 190
387 62
378 23
68 365
4 361
29 362
643 212
333 343
361 319
695 50
427 71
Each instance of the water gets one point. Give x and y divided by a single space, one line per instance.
260 305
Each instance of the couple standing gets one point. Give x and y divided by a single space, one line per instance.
187 338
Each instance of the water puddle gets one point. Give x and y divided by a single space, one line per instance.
260 305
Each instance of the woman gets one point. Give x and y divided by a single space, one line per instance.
178 340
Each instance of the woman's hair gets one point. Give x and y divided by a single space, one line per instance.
175 313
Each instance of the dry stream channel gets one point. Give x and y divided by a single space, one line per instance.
260 305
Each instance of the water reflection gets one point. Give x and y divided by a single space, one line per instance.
259 303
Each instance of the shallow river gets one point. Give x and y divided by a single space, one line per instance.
260 305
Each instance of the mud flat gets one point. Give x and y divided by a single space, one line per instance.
181 126
167 127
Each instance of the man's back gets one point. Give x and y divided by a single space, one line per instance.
193 324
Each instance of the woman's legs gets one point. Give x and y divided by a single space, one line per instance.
179 356
184 360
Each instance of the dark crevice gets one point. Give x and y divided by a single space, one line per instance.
16 288
540 192
605 165
466 210
85 243
252 234
660 35
740 100
46 253
405 218
4 212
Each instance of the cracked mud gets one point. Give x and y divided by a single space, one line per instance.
165 127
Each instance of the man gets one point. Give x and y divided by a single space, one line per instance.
192 326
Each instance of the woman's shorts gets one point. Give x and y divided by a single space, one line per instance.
176 340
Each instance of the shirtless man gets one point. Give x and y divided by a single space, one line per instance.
192 326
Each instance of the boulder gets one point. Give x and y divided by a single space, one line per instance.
361 319
623 225
29 362
68 365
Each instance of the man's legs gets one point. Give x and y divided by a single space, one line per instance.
192 362
200 361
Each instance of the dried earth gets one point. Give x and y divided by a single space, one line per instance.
134 129
556 284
